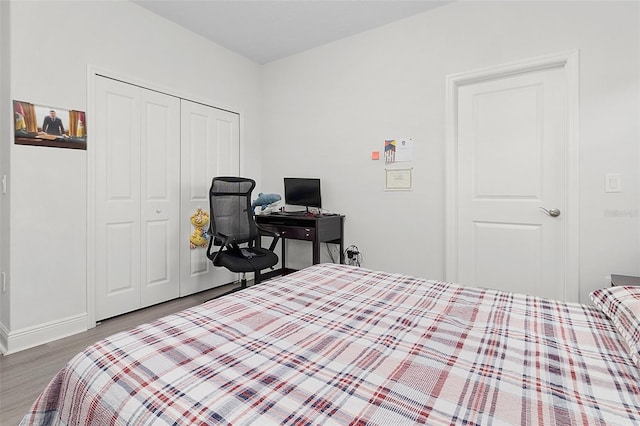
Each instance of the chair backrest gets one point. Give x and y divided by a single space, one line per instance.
231 212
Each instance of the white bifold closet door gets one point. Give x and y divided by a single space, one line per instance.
137 193
155 155
210 147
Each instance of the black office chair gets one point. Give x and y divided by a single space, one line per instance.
233 228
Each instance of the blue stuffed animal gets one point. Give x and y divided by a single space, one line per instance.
264 200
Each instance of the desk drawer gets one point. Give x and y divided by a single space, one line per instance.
292 232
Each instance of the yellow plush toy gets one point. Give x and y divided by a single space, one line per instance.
200 219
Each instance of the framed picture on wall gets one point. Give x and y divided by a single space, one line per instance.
398 180
43 125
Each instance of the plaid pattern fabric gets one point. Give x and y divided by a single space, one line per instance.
339 345
622 306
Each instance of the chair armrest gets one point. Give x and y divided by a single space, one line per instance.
266 232
269 233
221 237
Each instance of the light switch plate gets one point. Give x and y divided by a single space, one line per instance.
612 182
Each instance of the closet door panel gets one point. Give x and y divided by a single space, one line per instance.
117 195
210 146
158 267
120 245
228 151
199 142
160 197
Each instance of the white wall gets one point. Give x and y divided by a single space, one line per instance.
48 185
5 134
325 110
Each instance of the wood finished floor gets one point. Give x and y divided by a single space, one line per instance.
23 375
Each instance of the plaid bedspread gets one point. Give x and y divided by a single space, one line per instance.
338 345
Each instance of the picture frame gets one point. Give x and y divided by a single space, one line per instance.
398 180
42 125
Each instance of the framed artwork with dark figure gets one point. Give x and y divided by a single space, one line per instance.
49 126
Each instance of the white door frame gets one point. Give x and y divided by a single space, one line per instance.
569 61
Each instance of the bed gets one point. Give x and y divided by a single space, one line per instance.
340 345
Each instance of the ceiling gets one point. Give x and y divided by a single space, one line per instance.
267 30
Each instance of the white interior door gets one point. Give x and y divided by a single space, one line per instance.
160 197
137 197
210 147
117 195
512 145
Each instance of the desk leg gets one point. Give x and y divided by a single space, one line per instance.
316 251
283 258
342 241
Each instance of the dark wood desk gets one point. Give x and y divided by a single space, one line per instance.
624 280
317 229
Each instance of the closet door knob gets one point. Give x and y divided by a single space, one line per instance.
158 211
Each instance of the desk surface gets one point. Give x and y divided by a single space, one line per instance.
624 280
298 215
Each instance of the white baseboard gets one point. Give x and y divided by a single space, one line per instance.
29 337
4 339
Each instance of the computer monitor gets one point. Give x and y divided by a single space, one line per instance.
302 192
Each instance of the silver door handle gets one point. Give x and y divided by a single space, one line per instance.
551 212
